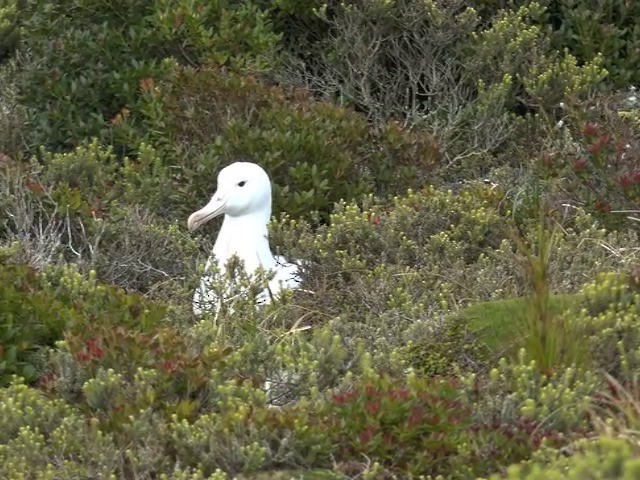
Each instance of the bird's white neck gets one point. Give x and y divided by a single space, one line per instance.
247 237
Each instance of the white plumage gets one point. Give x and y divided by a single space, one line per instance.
244 197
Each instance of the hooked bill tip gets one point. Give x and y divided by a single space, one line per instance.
214 208
191 225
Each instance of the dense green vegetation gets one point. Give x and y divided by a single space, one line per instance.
461 179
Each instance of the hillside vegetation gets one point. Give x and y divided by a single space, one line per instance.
460 178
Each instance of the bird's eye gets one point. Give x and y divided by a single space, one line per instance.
241 184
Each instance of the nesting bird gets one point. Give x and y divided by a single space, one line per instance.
243 196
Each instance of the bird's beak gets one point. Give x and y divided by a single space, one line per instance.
215 207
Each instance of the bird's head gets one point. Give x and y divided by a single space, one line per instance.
244 188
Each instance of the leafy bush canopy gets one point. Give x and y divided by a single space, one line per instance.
613 33
126 45
9 32
607 458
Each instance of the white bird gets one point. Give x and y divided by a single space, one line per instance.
244 197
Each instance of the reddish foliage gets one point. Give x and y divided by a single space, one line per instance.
367 435
169 366
579 165
590 129
146 84
602 207
603 141
82 357
47 381
372 407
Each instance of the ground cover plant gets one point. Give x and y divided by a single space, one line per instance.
461 181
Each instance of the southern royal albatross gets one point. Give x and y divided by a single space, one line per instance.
244 197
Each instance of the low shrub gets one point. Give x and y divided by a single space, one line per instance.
141 252
446 347
488 67
517 43
383 273
603 458
9 31
595 163
88 208
174 397
256 389
416 426
434 93
606 28
40 308
518 389
29 318
413 428
609 317
12 116
45 438
247 438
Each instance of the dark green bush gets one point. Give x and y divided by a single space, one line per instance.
404 61
471 88
91 61
39 308
316 153
9 31
445 347
608 28
368 42
517 44
12 116
29 318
